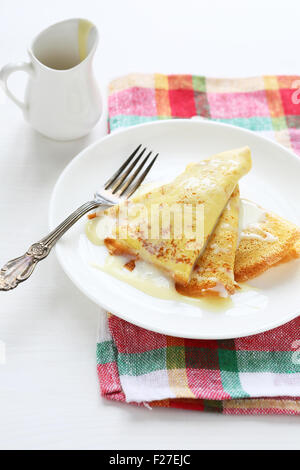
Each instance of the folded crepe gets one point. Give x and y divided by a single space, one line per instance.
293 252
208 184
216 270
268 242
213 273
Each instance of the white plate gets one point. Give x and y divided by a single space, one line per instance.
273 183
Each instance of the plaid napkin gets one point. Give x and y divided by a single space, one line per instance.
254 375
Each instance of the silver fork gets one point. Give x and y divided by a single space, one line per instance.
120 186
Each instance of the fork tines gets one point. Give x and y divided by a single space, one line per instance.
123 183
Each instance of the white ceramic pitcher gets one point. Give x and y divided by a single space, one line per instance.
62 99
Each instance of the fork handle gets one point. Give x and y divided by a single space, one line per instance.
19 269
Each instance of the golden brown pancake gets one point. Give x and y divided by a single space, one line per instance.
293 253
213 273
208 184
272 241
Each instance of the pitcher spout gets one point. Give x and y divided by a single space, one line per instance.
65 45
88 39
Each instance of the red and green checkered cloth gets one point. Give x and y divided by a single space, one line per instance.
255 375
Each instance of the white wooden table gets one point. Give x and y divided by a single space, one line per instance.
49 394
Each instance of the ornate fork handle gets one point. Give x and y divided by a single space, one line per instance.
19 269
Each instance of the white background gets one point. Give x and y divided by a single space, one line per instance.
49 394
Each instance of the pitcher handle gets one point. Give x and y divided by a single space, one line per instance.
6 71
